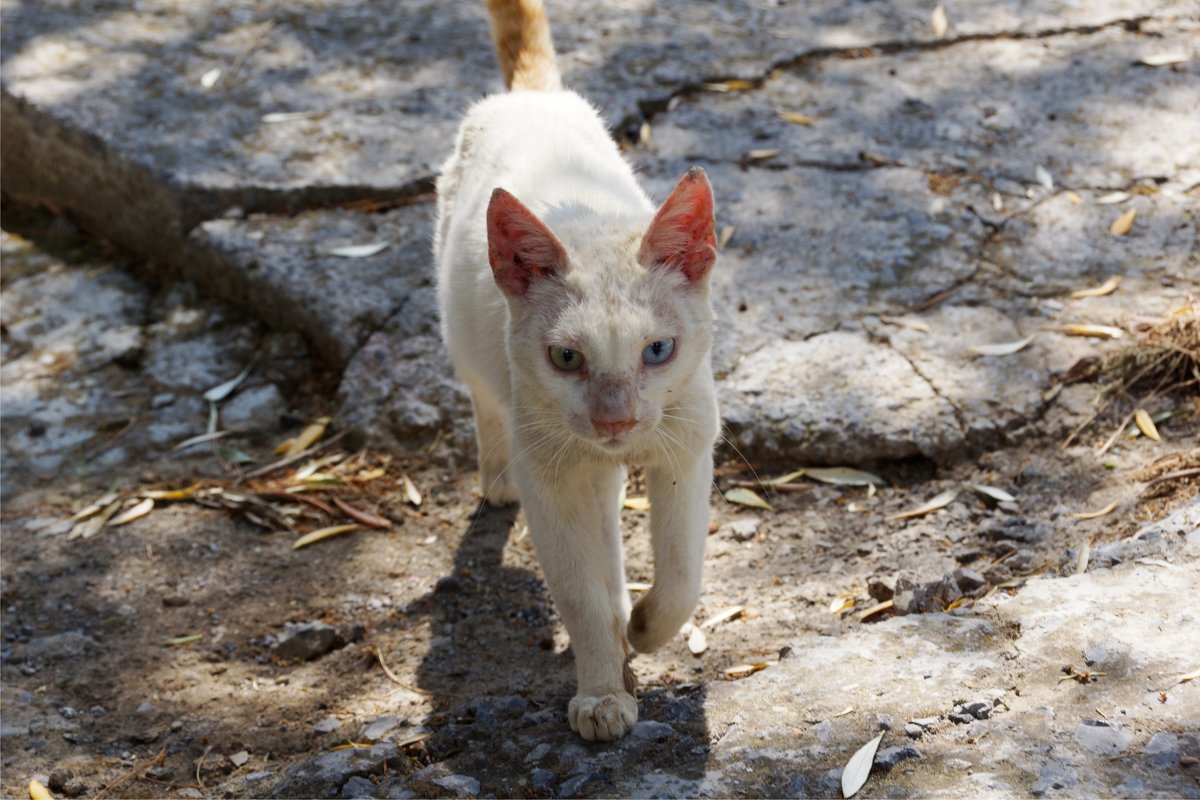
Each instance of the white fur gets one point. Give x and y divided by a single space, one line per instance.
537 442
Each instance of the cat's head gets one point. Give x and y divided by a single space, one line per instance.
610 322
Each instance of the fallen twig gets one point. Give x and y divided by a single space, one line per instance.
133 773
283 462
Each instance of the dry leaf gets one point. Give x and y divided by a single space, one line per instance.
277 117
1001 349
324 533
722 616
737 85
841 603
96 507
412 739
1145 424
791 476
941 501
841 476
1074 197
1108 509
173 494
306 439
180 641
39 792
697 642
92 525
140 510
1124 223
761 155
843 712
1043 177
637 503
1085 552
219 392
796 118
747 497
209 79
211 436
1191 676
1112 198
358 250
726 234
1106 288
742 670
900 322
1095 331
994 493
938 21
1164 59
411 494
854 775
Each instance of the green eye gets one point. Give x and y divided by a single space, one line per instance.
565 358
657 352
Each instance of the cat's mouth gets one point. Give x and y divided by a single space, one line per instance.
614 438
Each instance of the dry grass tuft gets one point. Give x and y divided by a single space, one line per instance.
1161 359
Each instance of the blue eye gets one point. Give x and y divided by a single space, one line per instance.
657 352
565 358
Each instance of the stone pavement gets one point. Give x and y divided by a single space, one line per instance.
935 192
890 197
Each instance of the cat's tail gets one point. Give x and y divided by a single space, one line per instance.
523 45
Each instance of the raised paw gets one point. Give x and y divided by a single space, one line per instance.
655 620
602 717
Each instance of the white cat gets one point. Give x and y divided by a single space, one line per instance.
579 318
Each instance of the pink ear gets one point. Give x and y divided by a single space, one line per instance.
520 248
682 234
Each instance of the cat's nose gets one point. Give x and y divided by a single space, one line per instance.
612 428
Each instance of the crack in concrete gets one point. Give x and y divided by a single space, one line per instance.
650 108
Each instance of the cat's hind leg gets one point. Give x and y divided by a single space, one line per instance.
491 433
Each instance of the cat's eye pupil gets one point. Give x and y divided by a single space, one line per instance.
566 358
658 351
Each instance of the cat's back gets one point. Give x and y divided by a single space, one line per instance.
546 148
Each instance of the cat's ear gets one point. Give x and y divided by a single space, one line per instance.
682 236
520 248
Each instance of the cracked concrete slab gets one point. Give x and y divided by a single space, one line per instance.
283 268
914 185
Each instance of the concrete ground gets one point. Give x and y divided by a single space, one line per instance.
891 194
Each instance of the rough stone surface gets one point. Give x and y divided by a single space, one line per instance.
907 209
281 267
306 641
780 400
325 775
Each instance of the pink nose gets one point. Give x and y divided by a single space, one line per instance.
612 428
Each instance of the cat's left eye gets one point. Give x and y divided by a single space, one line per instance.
658 351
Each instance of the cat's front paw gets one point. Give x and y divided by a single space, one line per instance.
604 717
500 491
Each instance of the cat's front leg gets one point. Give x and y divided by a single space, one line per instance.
679 493
568 528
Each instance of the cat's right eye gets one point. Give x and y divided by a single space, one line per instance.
566 358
